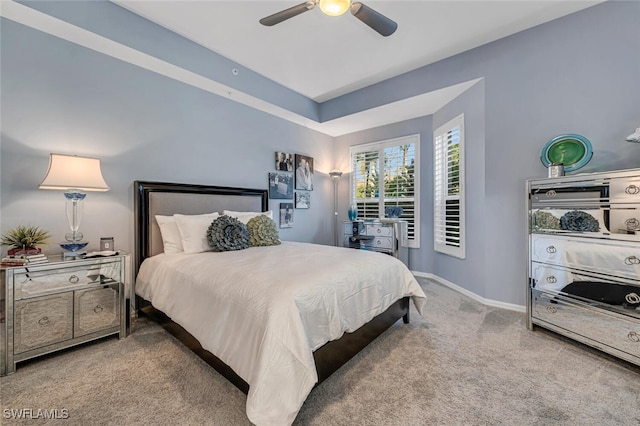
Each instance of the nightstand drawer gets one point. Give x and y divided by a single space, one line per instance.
382 243
43 321
96 309
378 230
38 281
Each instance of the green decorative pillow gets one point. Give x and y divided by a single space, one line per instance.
227 233
263 231
580 221
541 220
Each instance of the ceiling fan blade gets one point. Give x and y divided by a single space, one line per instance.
283 15
377 21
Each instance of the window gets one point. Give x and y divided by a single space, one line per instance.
385 174
448 188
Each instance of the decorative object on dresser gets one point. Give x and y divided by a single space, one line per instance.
584 261
62 303
74 175
571 151
393 212
385 237
634 137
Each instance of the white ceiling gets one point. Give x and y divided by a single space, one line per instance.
322 57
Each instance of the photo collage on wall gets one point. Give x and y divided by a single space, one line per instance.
292 171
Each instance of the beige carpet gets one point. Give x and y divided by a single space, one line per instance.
463 364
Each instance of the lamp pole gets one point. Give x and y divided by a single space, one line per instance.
335 176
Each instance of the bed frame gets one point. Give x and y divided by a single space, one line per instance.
152 198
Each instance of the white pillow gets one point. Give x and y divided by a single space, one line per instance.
171 238
245 217
193 231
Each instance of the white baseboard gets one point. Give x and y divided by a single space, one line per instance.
488 302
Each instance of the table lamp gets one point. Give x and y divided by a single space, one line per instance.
74 175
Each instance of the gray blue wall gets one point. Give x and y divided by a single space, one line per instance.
578 74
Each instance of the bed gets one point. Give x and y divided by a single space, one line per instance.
263 317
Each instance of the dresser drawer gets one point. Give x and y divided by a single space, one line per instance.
96 309
39 281
607 292
614 331
616 258
43 321
625 190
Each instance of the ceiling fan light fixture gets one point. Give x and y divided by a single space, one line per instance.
334 7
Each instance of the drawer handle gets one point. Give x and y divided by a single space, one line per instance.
632 223
552 280
98 309
551 193
632 298
73 279
632 260
632 189
551 249
634 336
43 321
552 309
378 230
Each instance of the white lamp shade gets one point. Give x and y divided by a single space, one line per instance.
73 172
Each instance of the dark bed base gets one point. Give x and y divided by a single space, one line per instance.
328 358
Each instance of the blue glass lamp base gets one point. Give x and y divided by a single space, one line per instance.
74 249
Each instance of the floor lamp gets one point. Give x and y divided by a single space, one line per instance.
335 176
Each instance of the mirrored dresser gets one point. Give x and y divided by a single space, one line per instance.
584 259
58 304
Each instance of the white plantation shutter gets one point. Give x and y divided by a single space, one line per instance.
448 188
385 174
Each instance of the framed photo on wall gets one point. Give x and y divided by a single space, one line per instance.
281 185
286 215
304 172
284 162
303 200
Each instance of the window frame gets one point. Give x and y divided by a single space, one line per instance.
380 147
440 193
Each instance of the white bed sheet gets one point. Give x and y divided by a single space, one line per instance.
265 309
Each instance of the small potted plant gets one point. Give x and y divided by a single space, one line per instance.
24 240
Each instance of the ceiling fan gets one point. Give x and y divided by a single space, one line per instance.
377 21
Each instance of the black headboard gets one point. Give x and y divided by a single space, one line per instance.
164 198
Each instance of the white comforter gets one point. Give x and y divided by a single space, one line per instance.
265 309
